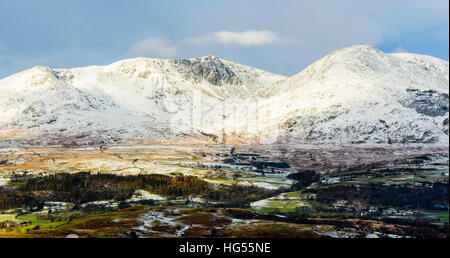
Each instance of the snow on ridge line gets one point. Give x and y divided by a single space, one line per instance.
357 94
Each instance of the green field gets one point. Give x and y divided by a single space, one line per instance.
441 215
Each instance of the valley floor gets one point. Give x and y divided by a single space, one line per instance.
224 191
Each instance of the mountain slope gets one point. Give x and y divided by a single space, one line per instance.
362 95
133 98
354 95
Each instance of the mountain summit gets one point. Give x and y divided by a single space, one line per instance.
354 95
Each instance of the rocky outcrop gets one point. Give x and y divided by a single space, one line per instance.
209 68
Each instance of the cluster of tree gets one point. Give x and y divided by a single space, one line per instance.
75 188
304 179
86 187
172 186
177 185
402 196
11 199
239 195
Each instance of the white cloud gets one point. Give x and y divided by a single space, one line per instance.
245 38
153 47
399 49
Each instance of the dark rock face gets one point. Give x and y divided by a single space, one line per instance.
445 125
37 109
210 68
429 103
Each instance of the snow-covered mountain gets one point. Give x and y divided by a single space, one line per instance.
354 95
134 98
359 94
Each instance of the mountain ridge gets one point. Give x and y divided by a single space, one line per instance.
353 95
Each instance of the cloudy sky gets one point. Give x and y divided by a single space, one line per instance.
278 36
